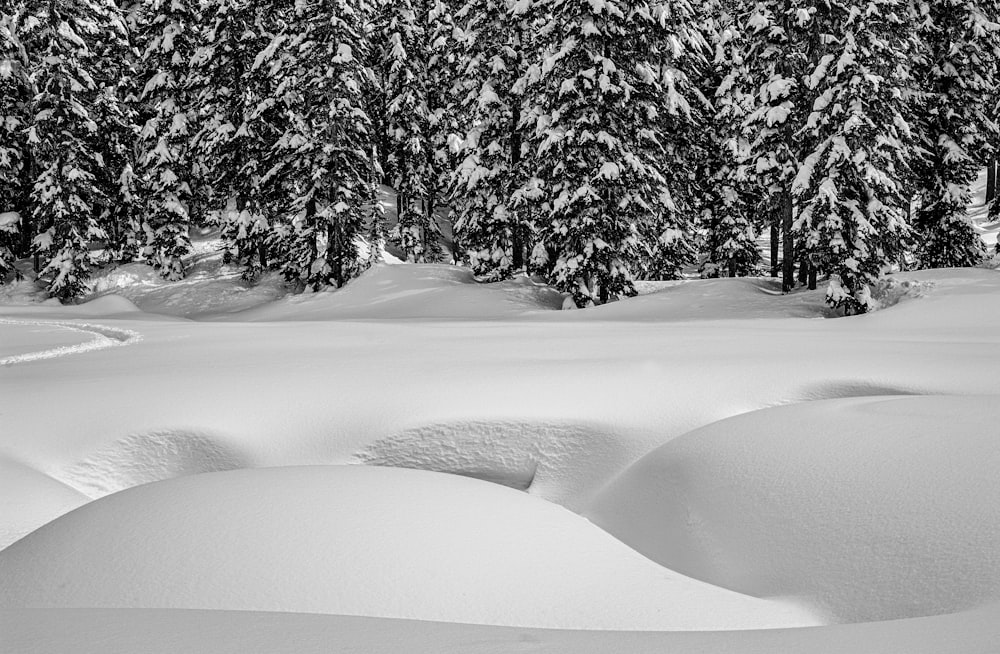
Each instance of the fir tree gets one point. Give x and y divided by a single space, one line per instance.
14 154
493 232
849 187
65 72
326 168
955 69
600 88
170 41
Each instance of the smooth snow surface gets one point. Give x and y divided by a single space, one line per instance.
356 540
127 631
837 513
872 509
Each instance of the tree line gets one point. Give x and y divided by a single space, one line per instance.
595 142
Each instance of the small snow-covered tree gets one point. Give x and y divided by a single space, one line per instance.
955 70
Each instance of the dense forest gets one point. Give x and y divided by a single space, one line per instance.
593 142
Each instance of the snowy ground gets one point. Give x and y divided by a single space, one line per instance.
708 467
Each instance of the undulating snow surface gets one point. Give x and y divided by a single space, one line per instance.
862 506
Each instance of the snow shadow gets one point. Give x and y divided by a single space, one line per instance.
147 457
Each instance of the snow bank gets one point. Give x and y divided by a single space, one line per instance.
872 509
419 291
361 541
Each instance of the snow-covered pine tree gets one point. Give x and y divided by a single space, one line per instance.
14 155
325 165
850 186
955 69
724 200
493 233
67 39
416 36
170 39
239 122
600 87
771 52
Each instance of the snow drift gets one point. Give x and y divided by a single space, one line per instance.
361 541
872 509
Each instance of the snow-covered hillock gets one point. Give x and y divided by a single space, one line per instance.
362 541
873 509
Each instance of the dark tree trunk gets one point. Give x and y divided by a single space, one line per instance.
517 240
812 277
774 247
991 180
788 245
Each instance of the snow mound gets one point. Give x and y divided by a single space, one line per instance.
414 291
357 540
873 509
711 299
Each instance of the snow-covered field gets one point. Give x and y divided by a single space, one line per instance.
708 467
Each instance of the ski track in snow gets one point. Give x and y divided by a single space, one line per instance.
106 337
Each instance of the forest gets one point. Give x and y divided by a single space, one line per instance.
590 142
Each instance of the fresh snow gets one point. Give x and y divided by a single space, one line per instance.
874 502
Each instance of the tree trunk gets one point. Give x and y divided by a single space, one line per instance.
788 246
812 277
517 240
991 180
774 247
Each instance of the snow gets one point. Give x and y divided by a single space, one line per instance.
870 508
356 540
849 479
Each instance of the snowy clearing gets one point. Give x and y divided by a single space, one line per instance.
810 513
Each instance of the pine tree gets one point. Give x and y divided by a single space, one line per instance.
325 154
170 41
239 122
600 88
850 186
417 37
14 154
66 71
725 200
955 69
492 231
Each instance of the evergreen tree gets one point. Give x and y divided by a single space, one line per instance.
65 71
417 35
849 187
326 166
491 229
14 154
955 69
600 87
170 41
239 123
